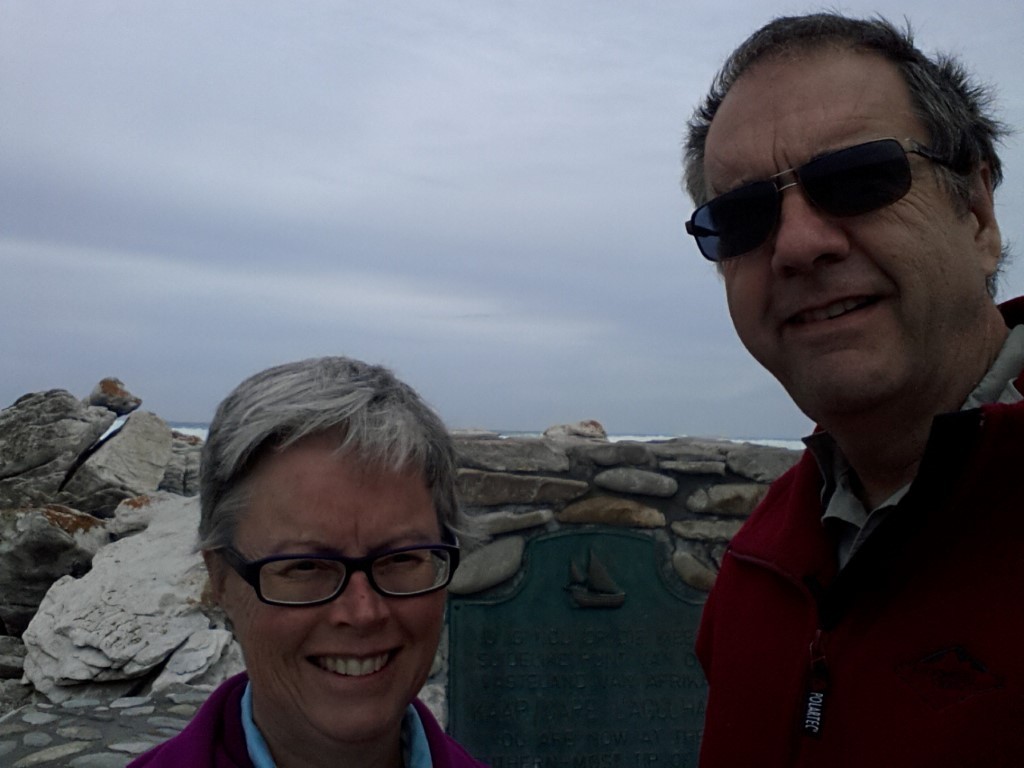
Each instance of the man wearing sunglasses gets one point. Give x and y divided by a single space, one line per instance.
870 612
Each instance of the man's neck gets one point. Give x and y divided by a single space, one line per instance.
881 467
885 446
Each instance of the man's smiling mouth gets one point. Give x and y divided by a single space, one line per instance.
833 310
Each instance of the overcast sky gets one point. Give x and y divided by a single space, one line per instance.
483 196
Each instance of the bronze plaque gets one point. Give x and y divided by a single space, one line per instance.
585 661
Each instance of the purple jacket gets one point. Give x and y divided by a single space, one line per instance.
214 738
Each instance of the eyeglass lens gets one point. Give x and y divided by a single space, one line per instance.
848 182
307 580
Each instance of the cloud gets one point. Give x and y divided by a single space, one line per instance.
483 196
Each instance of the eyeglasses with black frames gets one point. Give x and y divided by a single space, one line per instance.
305 580
847 182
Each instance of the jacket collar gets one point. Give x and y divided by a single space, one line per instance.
785 532
1013 314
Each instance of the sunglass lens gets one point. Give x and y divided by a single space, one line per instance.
736 222
859 179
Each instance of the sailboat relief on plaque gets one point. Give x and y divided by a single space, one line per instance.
593 588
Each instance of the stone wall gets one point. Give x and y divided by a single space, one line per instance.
695 491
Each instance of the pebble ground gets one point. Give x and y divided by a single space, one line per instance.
89 733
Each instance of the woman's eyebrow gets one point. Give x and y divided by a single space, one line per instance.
315 547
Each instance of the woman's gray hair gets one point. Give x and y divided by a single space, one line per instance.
379 420
956 111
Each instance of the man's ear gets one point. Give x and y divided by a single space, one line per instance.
981 210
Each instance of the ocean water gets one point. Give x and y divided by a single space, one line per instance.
199 429
192 428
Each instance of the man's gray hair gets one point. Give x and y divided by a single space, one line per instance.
379 421
956 111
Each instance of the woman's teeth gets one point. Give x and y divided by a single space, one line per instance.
352 667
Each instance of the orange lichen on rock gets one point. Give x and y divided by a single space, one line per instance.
111 386
69 520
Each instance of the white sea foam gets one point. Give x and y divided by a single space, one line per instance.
200 430
795 445
191 429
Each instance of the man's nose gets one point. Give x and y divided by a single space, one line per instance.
805 236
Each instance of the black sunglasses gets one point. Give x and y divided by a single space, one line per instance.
847 182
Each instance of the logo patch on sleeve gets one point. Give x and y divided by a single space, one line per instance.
949 677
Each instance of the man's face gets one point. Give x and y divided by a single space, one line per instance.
854 313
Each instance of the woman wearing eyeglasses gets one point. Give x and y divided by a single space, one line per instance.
328 518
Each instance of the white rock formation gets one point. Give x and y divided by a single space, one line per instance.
140 606
38 546
42 435
128 463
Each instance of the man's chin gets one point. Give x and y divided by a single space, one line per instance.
826 400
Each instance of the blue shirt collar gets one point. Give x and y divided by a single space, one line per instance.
415 750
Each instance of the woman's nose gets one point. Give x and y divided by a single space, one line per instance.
360 604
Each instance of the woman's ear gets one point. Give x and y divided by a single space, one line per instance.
217 573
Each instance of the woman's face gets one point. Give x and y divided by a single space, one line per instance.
342 672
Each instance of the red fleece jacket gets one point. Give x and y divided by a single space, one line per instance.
913 655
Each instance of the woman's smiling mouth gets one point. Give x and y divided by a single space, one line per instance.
351 666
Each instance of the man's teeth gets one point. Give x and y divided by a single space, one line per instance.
832 310
353 667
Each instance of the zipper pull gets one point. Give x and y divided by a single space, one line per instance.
817 688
